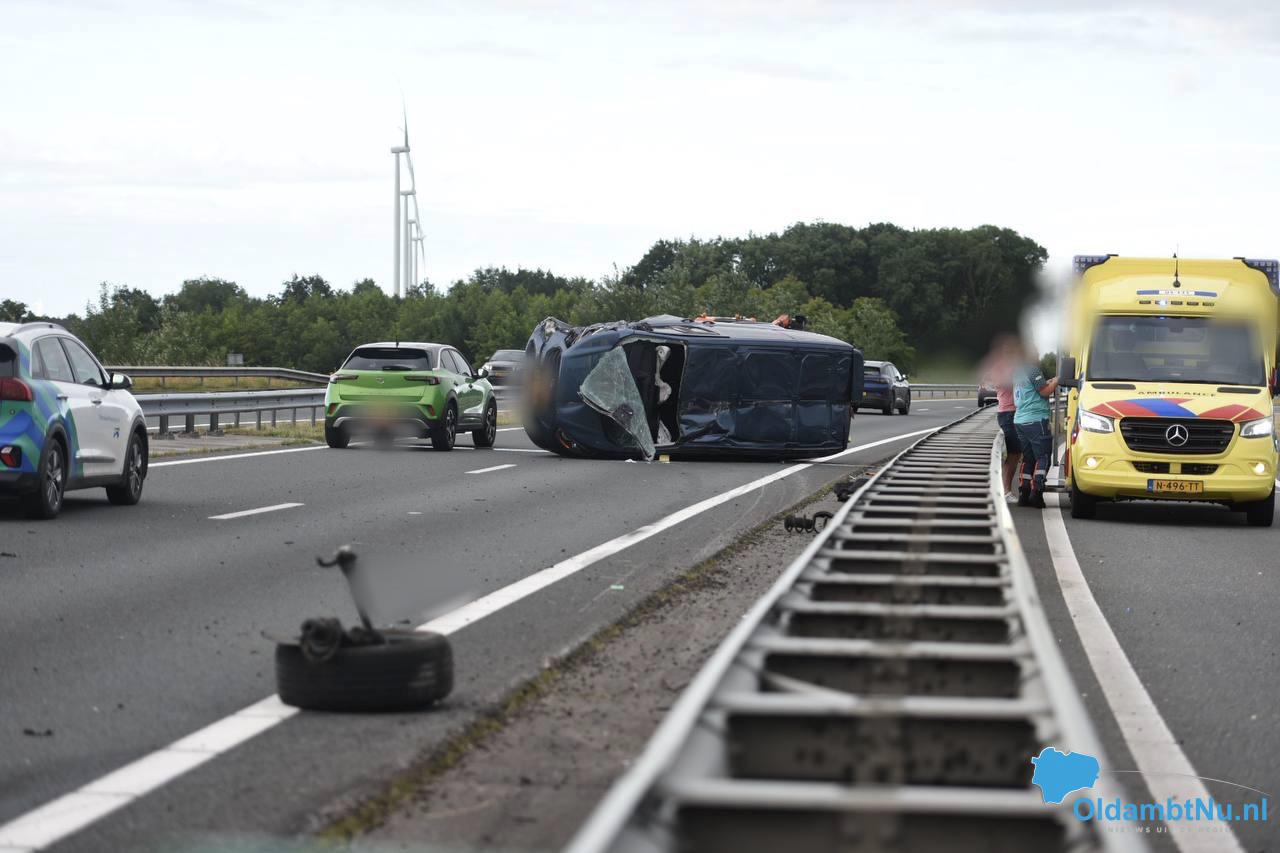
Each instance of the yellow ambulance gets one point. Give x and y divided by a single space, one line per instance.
1171 371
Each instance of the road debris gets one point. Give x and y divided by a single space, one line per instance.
806 523
362 668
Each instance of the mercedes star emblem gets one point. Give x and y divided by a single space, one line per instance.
1176 435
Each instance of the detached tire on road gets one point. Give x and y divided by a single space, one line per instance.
410 672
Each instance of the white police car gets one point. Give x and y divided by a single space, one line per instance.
65 423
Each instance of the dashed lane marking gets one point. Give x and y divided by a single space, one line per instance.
491 470
227 516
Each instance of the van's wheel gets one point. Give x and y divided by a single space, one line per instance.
444 435
129 490
46 502
888 410
1261 513
487 434
409 672
1082 505
336 437
906 406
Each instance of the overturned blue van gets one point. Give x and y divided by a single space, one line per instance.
688 388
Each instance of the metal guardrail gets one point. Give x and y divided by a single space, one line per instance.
223 406
235 373
220 405
885 694
942 389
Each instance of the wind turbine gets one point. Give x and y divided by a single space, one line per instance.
396 151
417 216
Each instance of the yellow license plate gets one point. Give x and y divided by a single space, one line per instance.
1175 487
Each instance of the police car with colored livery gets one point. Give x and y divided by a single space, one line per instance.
65 422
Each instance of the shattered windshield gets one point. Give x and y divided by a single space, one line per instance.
611 390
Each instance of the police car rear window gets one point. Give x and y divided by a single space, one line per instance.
389 358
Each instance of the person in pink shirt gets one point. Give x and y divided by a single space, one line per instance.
997 370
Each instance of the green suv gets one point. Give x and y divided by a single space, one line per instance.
409 389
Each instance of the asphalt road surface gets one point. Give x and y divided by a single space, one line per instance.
1190 593
127 629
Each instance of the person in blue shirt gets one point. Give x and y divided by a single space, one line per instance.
1031 393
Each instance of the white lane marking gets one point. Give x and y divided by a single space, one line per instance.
257 511
510 594
72 812
509 429
1165 767
520 449
223 457
57 819
494 468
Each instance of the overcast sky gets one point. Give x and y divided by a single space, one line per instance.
144 144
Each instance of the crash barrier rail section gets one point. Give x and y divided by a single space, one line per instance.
235 373
938 389
220 406
223 406
886 694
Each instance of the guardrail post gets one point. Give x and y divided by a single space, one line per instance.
293 416
164 432
237 416
259 418
273 418
190 426
313 416
214 428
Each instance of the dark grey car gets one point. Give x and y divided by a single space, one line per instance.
504 366
885 388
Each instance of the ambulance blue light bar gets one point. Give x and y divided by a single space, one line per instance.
1268 267
1082 263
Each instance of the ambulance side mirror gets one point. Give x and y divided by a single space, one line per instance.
1067 372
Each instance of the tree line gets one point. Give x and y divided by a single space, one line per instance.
897 294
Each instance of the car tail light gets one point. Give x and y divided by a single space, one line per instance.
10 456
342 377
431 411
15 389
333 407
430 380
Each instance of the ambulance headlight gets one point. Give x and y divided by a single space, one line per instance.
1261 428
1096 423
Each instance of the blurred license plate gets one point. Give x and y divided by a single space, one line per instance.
1175 487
